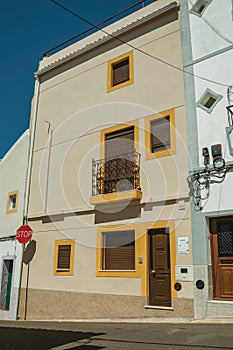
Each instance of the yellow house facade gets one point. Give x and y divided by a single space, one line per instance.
109 201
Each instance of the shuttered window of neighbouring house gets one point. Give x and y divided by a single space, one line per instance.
160 134
119 250
63 259
120 72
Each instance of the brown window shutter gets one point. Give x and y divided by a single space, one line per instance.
119 250
160 134
119 163
63 261
119 142
120 72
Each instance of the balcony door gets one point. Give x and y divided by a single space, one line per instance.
119 160
221 231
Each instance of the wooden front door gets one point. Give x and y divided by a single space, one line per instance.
159 267
221 230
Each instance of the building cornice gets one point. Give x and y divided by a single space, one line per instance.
102 36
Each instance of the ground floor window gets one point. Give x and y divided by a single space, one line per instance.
118 250
64 257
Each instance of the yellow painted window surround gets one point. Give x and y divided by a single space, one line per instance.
100 253
170 116
141 253
116 196
126 58
118 128
12 202
64 258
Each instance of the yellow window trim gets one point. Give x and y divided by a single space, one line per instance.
141 250
113 197
168 152
117 128
57 244
12 211
119 59
99 251
117 196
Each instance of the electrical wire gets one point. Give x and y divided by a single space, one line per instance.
200 181
135 48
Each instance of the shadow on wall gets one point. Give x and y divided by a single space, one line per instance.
29 252
115 213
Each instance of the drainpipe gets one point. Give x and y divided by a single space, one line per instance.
28 180
32 139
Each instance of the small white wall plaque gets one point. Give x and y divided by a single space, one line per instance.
183 245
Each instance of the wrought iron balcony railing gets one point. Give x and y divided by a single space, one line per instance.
116 174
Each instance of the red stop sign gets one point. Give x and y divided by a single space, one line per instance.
24 234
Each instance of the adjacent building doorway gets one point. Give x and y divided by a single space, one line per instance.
221 234
159 267
6 283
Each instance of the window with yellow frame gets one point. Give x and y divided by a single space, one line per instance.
116 254
12 202
120 72
160 134
64 258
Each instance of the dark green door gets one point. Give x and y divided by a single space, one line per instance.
6 284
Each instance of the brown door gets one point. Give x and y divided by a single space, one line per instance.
221 230
159 268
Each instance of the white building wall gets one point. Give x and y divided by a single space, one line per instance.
212 47
13 169
208 56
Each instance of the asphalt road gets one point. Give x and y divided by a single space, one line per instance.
19 335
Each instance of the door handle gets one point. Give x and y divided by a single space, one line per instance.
153 271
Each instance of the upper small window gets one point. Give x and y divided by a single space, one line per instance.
200 6
160 135
64 257
208 100
12 202
120 71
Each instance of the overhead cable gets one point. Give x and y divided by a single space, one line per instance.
134 47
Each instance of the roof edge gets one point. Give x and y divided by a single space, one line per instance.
105 38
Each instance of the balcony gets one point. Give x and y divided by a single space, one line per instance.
116 179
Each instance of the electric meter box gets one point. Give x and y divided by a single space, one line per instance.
184 273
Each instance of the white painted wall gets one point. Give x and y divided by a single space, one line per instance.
211 32
13 169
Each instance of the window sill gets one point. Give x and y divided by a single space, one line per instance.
169 308
118 273
116 197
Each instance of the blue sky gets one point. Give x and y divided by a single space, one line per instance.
29 28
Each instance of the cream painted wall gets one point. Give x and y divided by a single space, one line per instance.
82 230
78 115
13 169
75 101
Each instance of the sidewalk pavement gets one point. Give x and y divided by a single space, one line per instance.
221 320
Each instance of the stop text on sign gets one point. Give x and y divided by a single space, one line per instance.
24 234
